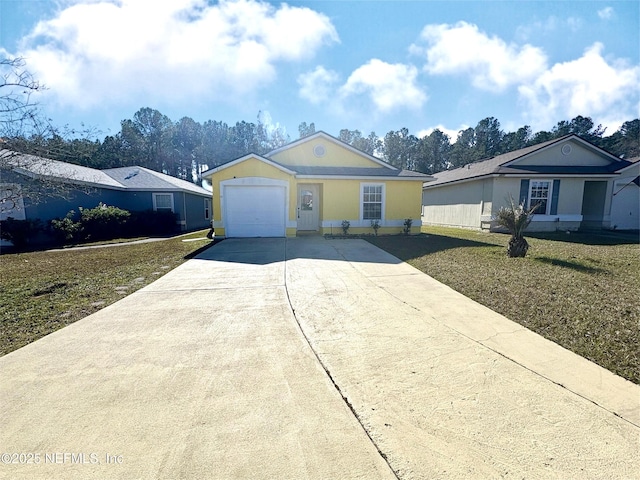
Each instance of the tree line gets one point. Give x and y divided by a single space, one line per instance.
185 148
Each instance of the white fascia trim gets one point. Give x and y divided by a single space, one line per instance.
354 177
426 185
532 176
209 173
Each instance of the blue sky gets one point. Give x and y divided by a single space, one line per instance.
366 65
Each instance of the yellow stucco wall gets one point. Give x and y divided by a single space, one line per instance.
339 198
403 200
335 156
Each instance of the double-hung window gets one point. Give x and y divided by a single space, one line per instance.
372 201
163 202
207 208
540 194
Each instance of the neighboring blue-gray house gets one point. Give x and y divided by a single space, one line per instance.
130 188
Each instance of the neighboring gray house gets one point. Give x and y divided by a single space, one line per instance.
625 204
571 179
130 188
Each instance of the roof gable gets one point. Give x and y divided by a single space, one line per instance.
323 150
567 151
252 156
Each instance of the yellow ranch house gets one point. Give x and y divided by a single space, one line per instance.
313 185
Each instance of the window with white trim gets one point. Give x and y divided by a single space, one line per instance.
372 197
207 209
163 202
540 194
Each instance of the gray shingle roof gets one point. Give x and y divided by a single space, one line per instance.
497 165
354 171
124 178
38 166
140 178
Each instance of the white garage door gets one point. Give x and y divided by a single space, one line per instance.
254 211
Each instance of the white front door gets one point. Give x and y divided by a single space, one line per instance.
308 207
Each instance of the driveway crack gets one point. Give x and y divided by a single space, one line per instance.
328 372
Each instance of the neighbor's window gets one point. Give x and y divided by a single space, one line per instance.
372 202
163 202
540 194
207 208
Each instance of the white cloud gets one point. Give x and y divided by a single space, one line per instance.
606 13
92 52
588 86
491 63
388 86
451 132
318 86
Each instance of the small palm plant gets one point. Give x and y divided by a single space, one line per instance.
375 224
515 218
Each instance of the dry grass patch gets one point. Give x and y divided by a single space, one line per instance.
578 290
41 292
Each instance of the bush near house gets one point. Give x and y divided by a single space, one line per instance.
105 222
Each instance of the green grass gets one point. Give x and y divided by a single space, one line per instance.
578 290
41 292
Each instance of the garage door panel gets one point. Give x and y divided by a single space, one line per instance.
254 211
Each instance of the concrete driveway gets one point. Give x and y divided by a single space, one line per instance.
308 358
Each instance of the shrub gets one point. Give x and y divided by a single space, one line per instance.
407 226
345 227
515 218
19 232
375 224
103 222
66 229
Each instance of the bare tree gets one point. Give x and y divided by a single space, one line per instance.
24 176
18 112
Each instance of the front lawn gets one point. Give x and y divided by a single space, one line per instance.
581 291
41 292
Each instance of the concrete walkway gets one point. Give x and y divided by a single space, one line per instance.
308 358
